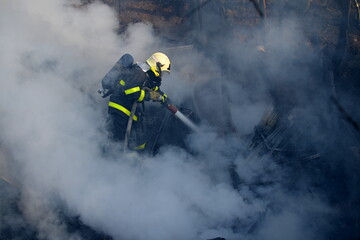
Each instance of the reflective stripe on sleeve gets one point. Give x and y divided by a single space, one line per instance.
142 95
121 108
163 97
132 90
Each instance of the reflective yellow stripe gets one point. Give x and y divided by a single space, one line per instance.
132 90
153 69
122 82
156 88
142 146
142 95
121 108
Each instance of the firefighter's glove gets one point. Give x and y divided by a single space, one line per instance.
155 96
164 98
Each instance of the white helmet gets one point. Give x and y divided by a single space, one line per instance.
159 63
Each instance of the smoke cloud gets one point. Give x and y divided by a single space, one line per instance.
53 56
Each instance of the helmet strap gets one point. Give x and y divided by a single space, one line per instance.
158 65
153 69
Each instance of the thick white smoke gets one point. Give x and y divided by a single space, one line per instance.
52 57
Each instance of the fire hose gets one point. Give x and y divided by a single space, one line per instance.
172 108
178 114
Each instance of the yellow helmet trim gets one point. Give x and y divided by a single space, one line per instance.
155 71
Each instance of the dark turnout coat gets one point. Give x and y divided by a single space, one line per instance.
130 84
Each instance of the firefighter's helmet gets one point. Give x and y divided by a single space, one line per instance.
159 63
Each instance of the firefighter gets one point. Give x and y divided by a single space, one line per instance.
133 84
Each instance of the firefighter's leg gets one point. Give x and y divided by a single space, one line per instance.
138 138
117 127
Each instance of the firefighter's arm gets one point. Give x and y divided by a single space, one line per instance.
155 95
146 94
135 94
164 97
